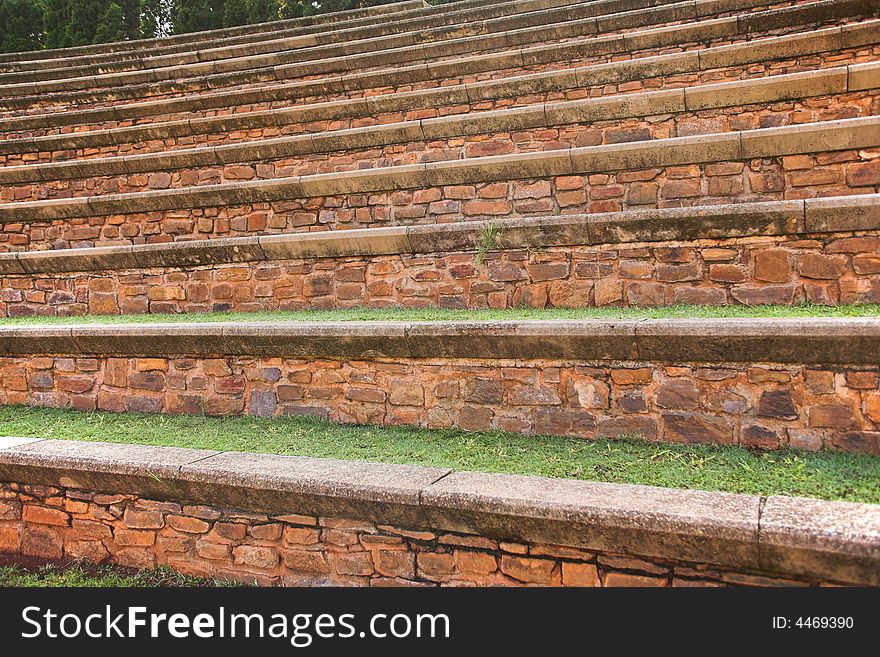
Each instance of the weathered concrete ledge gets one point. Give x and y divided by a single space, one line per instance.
829 136
839 341
766 49
813 15
776 536
835 214
396 31
134 48
810 84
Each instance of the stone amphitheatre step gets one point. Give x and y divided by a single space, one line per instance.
786 252
449 527
800 52
136 47
483 20
768 383
730 106
825 158
541 57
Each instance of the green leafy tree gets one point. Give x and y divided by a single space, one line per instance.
131 21
196 15
327 6
21 24
55 21
290 9
260 11
84 19
235 12
111 25
155 18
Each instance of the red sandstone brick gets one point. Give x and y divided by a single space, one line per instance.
353 563
143 519
230 531
580 574
814 265
395 563
863 174
188 525
45 516
368 395
134 537
266 532
300 535
773 265
93 551
151 364
626 579
212 551
631 376
530 571
435 565
310 561
258 557
833 416
10 539
678 394
41 542
403 393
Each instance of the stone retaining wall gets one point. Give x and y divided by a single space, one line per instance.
806 384
816 268
822 251
313 521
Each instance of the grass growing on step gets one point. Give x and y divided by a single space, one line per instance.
81 575
490 239
437 314
823 475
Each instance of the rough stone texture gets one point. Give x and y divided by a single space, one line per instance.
315 486
805 532
751 403
103 465
595 515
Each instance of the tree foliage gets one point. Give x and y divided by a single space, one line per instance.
261 11
111 25
21 24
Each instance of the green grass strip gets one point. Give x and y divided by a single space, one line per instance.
437 314
82 575
824 475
